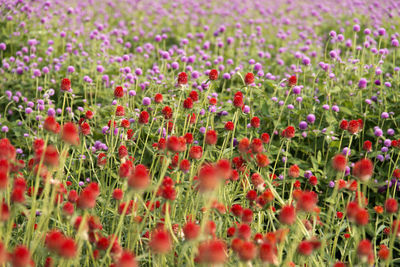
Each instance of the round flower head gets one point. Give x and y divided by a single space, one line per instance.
182 78
363 169
65 84
213 75
249 78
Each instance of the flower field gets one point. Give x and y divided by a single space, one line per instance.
199 133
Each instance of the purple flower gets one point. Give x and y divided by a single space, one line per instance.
303 125
146 101
362 83
296 90
226 76
346 151
307 174
384 115
71 69
311 118
378 132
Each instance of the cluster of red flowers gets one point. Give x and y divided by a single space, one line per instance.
353 127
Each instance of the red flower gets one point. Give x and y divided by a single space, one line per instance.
251 195
211 137
292 80
307 201
72 196
287 215
396 227
68 208
53 240
256 179
68 248
256 145
118 92
173 143
339 163
383 252
344 125
51 125
229 126
212 252
85 128
396 173
160 241
51 156
65 84
313 180
167 112
191 230
262 160
182 78
119 112
391 205
363 169
18 195
213 75
362 217
139 178
367 146
237 210
244 145
188 103
127 259
144 117
265 138
87 198
118 194
125 169
194 96
196 152
125 124
247 251
339 214
305 248
255 122
70 133
3 180
89 115
354 126
21 257
184 165
364 248
158 98
207 178
352 210
7 151
294 171
244 231
288 132
122 152
101 159
238 101
247 216
249 78
268 253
